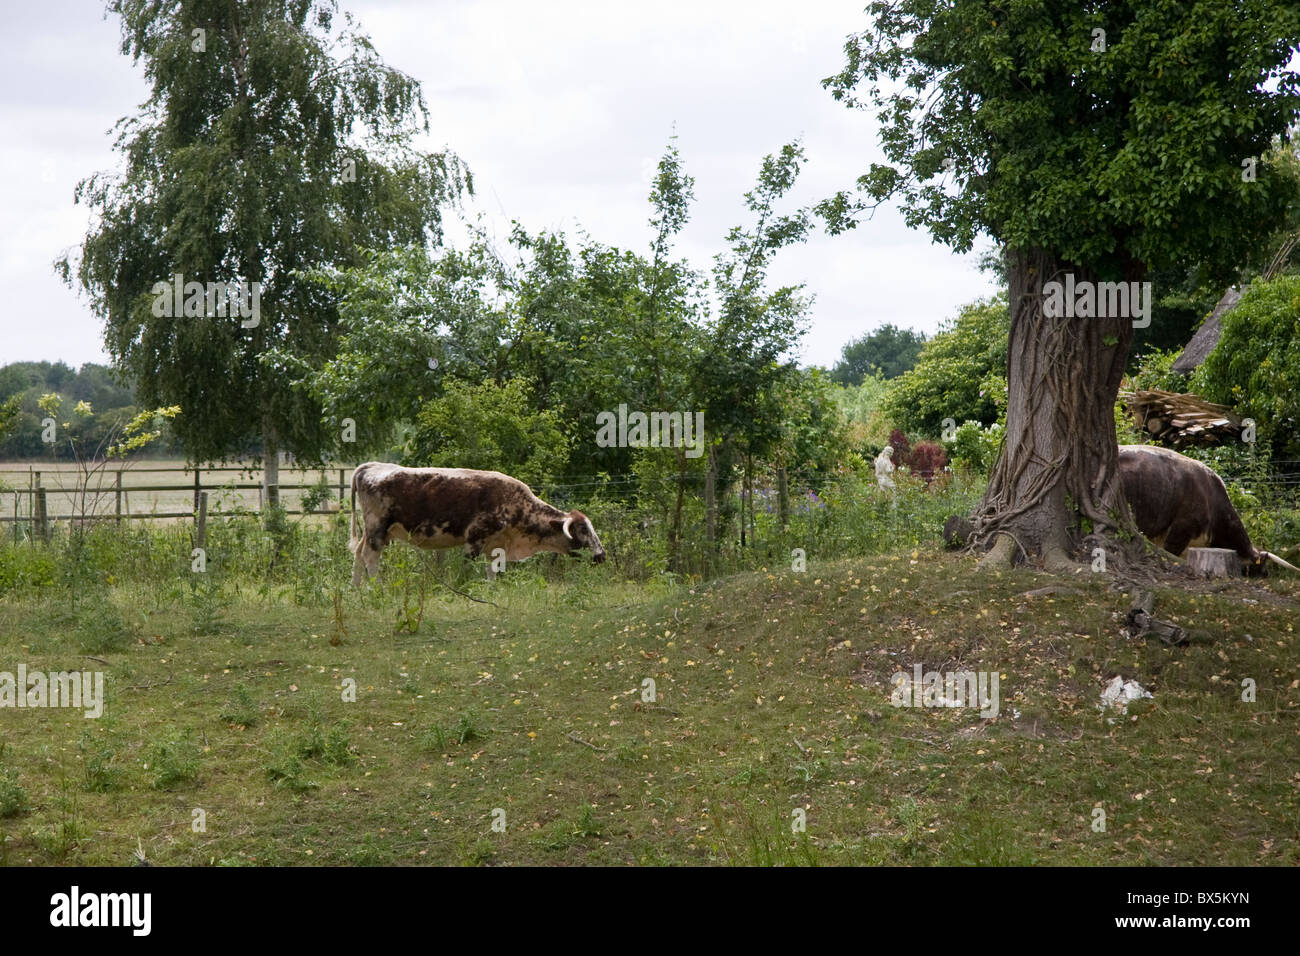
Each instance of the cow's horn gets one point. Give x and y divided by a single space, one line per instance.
565 527
1276 560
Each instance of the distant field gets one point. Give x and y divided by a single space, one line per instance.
228 490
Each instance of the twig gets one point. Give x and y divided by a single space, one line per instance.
98 660
802 749
464 595
150 684
579 740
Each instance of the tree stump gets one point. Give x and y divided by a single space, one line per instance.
1214 562
957 531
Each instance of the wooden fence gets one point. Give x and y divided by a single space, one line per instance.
101 495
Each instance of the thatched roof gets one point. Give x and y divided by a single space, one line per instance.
1207 336
1180 420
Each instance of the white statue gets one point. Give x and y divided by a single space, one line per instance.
885 467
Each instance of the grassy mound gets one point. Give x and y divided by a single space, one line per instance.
256 725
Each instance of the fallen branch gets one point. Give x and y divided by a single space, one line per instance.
464 595
147 686
579 740
1141 624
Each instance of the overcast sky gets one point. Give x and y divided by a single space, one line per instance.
561 110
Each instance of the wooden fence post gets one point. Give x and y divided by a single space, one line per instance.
201 533
118 494
197 486
42 516
340 489
33 482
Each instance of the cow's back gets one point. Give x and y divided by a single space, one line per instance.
1178 501
436 506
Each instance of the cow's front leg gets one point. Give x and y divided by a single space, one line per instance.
366 556
358 566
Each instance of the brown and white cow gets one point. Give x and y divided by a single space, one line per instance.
1180 503
446 507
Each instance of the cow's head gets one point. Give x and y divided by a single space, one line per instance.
1259 566
580 534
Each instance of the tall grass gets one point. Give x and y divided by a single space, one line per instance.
312 561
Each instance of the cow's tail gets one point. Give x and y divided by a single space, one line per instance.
354 540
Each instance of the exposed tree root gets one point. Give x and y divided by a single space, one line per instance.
1002 554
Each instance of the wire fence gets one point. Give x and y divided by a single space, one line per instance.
35 495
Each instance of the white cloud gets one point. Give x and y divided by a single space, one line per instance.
558 108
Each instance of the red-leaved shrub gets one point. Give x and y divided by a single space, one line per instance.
926 459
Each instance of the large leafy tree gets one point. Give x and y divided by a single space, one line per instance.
408 324
747 362
274 140
1104 140
889 350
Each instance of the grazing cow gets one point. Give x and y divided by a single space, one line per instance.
1180 503
446 507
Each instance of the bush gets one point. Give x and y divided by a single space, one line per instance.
13 798
1255 367
491 427
955 373
975 446
926 459
902 446
1155 370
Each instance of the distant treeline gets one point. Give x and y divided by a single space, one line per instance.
108 399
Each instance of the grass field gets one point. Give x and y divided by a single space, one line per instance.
772 696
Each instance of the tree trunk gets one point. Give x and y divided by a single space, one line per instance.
746 494
782 497
270 470
674 531
1058 463
711 500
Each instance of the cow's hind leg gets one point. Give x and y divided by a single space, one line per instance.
1179 536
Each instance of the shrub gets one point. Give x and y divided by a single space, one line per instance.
975 446
491 427
1255 367
174 760
13 798
951 378
926 459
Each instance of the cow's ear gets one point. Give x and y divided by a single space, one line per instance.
568 520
